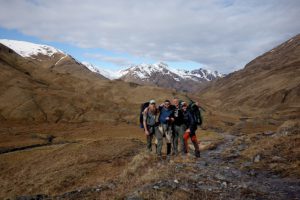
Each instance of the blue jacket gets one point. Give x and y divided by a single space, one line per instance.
164 113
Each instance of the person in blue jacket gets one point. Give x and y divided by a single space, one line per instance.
165 119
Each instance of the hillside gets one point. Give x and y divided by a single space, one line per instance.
270 84
55 87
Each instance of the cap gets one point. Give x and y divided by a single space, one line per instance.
183 103
152 101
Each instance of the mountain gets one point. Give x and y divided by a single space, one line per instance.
40 83
111 75
160 75
269 84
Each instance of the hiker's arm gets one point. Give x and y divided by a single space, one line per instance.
172 116
145 122
160 107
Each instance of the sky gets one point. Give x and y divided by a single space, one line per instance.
221 35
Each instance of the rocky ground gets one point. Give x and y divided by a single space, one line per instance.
218 174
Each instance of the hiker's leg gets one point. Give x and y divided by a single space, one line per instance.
186 137
168 132
195 143
149 139
159 137
149 146
155 142
175 139
169 139
180 136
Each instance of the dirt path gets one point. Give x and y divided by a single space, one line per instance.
215 177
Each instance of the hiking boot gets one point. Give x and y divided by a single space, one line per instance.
159 158
169 148
168 158
197 154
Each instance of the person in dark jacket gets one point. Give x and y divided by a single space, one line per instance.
178 126
191 127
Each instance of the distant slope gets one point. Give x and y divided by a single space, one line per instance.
268 84
55 87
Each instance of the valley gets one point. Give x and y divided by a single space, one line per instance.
69 133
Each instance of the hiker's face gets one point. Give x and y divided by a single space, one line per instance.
167 104
175 102
152 105
184 108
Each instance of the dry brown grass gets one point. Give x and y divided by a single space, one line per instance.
280 155
93 154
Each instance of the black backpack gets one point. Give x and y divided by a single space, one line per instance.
143 107
195 110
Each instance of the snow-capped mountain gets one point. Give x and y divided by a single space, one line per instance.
160 74
104 72
47 57
28 49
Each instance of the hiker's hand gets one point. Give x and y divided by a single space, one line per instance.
188 130
146 132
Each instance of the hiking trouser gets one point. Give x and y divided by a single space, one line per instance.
164 130
152 130
192 135
178 134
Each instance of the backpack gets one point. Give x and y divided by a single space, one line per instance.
195 111
142 108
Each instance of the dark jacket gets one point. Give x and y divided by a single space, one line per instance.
178 116
189 120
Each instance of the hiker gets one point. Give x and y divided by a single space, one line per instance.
191 127
166 118
178 126
150 122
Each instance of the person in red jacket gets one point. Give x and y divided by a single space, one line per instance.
191 127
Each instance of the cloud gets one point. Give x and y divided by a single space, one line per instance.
222 34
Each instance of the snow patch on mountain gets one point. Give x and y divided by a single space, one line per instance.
28 49
145 71
104 72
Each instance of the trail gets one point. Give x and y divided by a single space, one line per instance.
214 177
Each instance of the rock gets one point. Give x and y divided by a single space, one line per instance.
257 158
224 184
252 173
220 177
243 185
176 181
278 159
246 164
155 187
268 133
